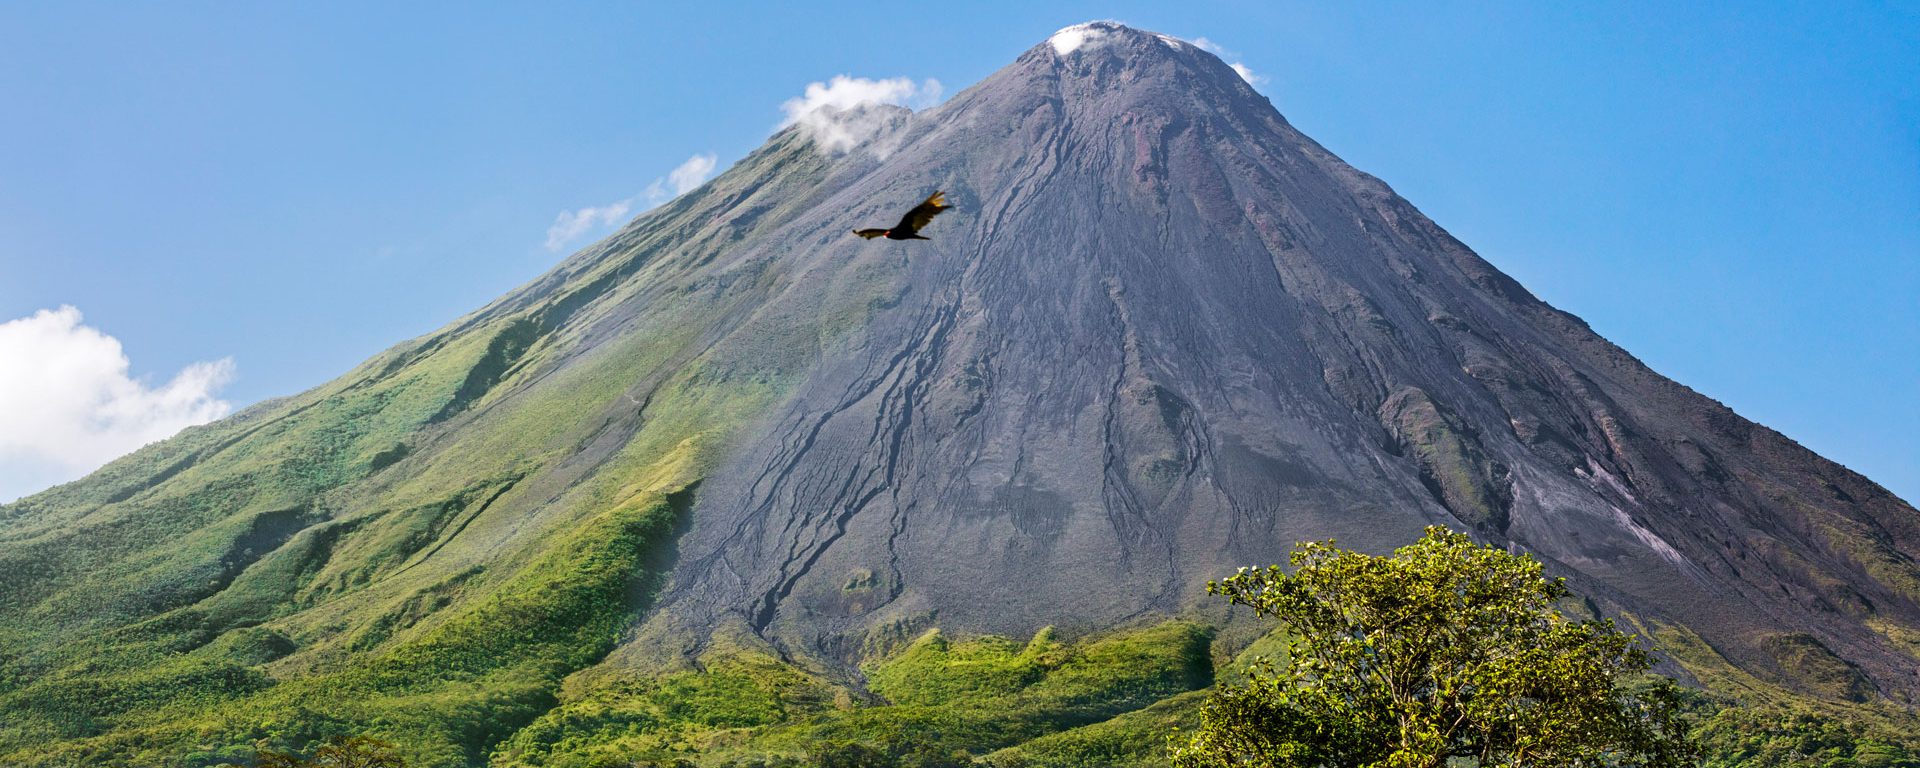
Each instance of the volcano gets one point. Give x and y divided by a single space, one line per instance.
1161 334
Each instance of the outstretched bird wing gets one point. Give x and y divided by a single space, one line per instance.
870 233
923 213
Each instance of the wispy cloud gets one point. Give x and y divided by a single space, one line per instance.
68 405
570 225
838 114
681 180
692 173
1246 72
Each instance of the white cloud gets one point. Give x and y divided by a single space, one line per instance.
68 405
837 114
692 173
1090 35
1246 72
570 225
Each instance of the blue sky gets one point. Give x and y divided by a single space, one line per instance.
276 191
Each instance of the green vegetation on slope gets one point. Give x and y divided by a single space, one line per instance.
938 697
424 548
1789 735
446 696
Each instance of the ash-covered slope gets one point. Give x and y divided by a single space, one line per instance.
1161 334
1165 334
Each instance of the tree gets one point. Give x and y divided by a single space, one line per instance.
354 752
890 754
1446 649
848 754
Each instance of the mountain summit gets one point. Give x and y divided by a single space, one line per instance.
1160 334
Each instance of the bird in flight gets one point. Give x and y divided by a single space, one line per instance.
910 224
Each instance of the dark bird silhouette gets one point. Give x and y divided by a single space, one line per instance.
910 224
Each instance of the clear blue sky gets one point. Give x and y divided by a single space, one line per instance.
1731 193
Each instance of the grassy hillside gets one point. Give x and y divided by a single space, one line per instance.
424 548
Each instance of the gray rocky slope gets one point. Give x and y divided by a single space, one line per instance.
1164 334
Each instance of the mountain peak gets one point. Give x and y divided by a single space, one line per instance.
1094 34
1109 55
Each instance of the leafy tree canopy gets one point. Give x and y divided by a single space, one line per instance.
354 752
1445 649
